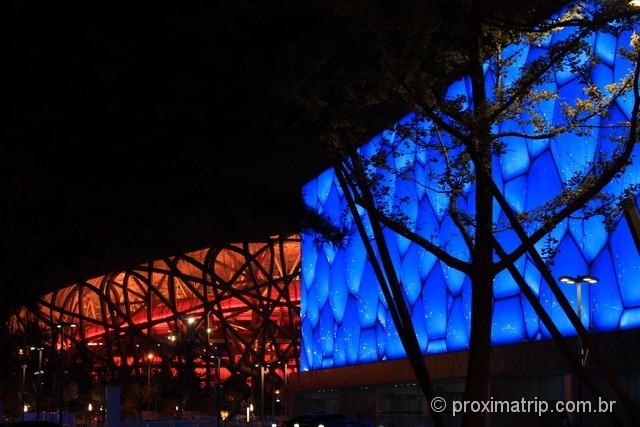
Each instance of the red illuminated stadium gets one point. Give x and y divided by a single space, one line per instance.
235 307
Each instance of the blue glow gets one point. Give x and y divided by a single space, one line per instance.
368 346
356 258
325 330
345 319
626 262
338 290
517 56
606 303
515 160
420 326
508 323
543 182
515 191
410 275
393 343
368 298
434 296
504 285
457 333
351 334
589 234
606 47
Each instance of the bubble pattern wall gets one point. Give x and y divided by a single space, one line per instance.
344 316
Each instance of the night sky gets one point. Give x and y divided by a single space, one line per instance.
135 131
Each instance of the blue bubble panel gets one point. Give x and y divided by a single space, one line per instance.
508 324
344 316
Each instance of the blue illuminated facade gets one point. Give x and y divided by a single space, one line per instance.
345 320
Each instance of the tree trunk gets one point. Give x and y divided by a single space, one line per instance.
478 369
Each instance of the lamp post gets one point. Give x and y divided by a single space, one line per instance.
578 281
39 376
192 322
62 327
22 392
218 389
218 365
261 391
149 360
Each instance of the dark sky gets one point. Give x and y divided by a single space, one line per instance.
132 132
137 130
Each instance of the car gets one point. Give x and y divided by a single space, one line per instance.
326 420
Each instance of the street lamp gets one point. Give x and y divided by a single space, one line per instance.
261 391
23 391
149 360
191 322
39 376
578 281
62 326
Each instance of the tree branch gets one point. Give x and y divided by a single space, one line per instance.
587 194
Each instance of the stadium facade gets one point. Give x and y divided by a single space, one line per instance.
236 306
349 341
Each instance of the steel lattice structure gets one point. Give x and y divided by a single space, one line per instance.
240 300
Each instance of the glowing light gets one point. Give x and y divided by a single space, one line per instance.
344 321
161 321
580 279
150 356
89 407
251 407
25 408
634 3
